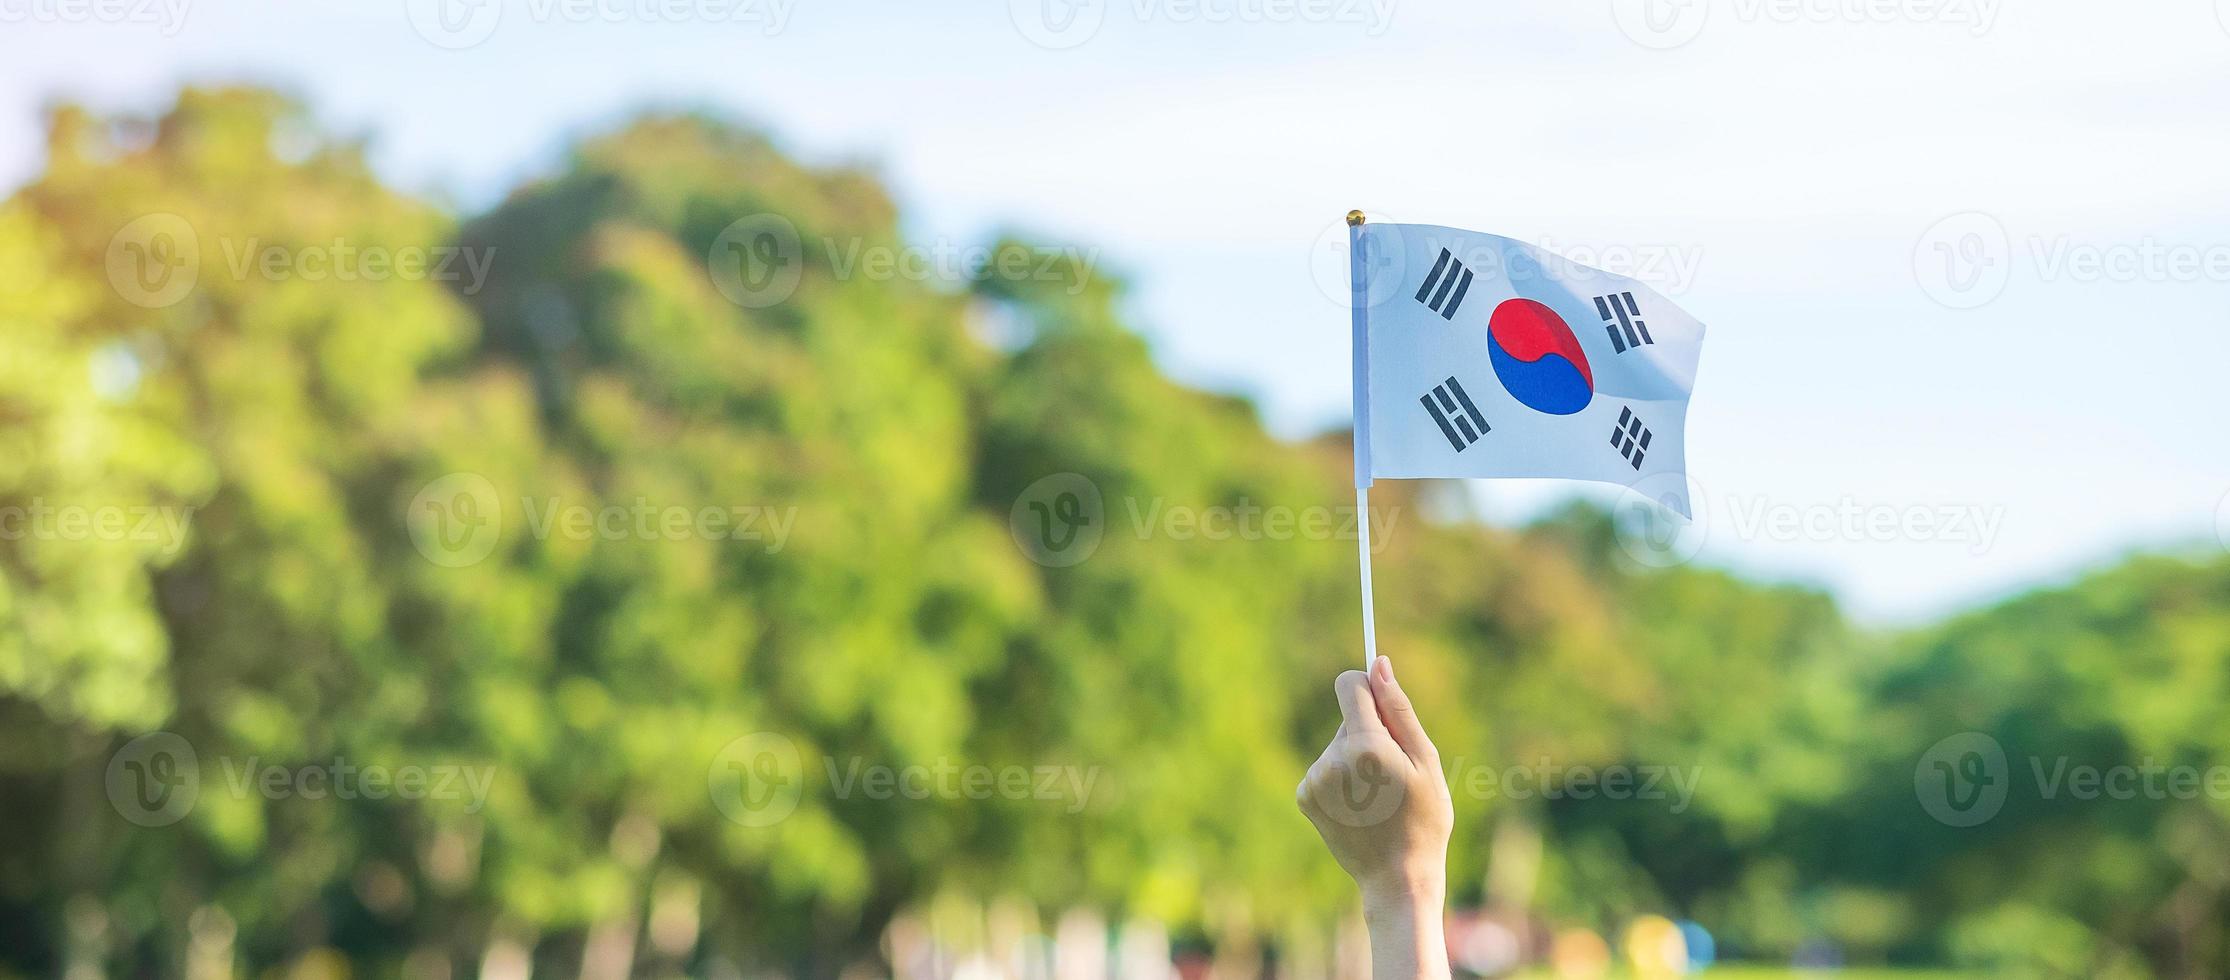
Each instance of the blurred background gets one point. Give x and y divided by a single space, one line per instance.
798 488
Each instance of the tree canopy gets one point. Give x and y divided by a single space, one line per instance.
797 522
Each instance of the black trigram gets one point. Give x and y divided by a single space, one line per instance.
1623 321
1629 438
1446 290
1457 417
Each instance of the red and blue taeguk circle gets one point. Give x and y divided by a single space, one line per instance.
1537 359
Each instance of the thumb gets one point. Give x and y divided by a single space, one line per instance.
1399 715
1358 716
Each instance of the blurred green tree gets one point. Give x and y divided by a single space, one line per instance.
688 452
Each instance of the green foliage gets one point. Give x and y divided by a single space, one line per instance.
293 426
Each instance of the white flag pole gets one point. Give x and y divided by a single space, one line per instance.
1363 552
1359 295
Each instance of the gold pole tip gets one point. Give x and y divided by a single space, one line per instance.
1354 217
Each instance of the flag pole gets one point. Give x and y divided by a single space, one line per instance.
1359 320
1363 552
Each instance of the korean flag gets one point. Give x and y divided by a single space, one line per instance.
1483 356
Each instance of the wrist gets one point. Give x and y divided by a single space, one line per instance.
1406 890
1421 905
1404 916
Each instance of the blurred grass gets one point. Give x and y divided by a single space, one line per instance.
1748 971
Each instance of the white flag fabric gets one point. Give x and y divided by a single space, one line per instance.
1483 356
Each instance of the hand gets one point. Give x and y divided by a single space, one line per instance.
1378 798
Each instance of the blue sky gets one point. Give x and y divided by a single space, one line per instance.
1964 262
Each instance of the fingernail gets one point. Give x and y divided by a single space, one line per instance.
1384 668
